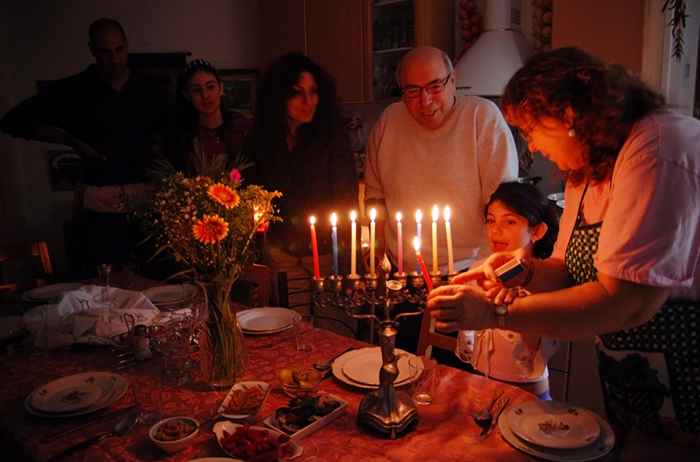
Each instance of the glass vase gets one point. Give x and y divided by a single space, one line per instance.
223 354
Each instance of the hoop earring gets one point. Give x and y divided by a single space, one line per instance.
572 133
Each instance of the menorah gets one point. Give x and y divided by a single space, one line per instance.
389 411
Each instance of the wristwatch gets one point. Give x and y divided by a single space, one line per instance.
501 314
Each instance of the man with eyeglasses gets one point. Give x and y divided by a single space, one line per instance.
434 147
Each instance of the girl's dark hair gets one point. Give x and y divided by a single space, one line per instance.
526 200
606 101
277 87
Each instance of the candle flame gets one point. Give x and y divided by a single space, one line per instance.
399 216
353 215
416 244
372 214
436 212
446 213
334 219
312 220
419 216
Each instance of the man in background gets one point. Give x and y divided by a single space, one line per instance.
109 116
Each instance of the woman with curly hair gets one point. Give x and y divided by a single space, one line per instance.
626 265
300 148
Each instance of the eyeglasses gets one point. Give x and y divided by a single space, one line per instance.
433 88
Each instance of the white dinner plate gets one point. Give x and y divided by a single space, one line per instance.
266 320
170 294
112 386
552 424
340 362
66 396
230 427
601 447
50 292
364 367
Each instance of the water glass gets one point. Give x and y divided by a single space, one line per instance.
104 273
424 387
302 326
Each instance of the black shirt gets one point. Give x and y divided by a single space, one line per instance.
121 125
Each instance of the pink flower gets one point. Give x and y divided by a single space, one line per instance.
235 175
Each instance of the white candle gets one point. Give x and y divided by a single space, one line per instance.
372 236
334 241
399 239
353 244
448 231
436 216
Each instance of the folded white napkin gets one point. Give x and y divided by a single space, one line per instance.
91 314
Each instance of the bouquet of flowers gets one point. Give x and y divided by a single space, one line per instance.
208 225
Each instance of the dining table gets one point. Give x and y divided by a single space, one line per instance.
438 435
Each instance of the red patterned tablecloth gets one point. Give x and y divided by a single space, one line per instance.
437 437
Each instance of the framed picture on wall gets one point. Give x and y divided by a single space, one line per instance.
240 86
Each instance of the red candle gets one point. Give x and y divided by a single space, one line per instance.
314 247
421 264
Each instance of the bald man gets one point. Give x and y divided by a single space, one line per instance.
434 147
109 115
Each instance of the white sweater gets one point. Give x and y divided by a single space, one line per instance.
459 164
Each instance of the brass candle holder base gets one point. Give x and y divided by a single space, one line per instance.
385 411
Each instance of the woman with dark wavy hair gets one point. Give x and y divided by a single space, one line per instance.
626 265
300 148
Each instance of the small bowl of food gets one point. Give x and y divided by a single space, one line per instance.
244 400
174 433
298 383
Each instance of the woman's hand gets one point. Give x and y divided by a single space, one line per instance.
456 307
485 274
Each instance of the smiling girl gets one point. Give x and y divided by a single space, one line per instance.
517 216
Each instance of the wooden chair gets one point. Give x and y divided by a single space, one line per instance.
428 338
24 265
296 293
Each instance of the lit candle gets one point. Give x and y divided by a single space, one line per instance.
334 240
421 264
436 215
399 238
314 246
372 237
353 243
448 231
419 231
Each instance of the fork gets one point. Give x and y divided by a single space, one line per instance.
484 418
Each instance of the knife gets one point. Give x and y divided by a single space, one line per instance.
100 417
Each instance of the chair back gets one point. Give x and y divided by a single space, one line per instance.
24 265
428 338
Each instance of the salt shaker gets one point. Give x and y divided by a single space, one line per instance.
141 343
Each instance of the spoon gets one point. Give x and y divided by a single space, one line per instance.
121 428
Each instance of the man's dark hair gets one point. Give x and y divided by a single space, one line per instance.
101 24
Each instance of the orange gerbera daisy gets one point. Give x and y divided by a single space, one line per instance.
210 229
224 195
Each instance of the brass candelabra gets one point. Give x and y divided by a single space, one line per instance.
386 410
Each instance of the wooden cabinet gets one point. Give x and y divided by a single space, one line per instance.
339 35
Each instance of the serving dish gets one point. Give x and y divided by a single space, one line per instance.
244 400
304 416
184 426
